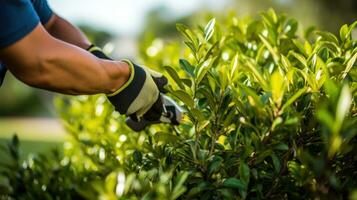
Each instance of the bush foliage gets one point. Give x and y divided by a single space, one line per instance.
270 114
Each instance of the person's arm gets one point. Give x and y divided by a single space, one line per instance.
65 31
42 61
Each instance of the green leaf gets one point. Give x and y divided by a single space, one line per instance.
257 74
137 156
253 97
291 27
211 51
215 165
343 105
286 63
244 172
300 46
331 89
212 82
179 188
349 65
332 47
197 114
276 123
272 14
277 83
172 72
229 116
166 138
270 18
351 27
281 147
309 78
308 32
191 46
308 48
234 65
187 82
292 121
270 48
325 117
299 57
187 67
344 32
184 97
202 124
188 35
202 71
183 30
234 183
111 181
261 156
202 186
276 163
328 36
293 98
209 29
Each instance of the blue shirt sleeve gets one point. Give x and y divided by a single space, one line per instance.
17 19
43 10
20 17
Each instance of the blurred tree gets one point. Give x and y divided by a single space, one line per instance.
96 36
337 13
161 23
20 99
327 14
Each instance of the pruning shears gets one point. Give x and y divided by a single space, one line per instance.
172 113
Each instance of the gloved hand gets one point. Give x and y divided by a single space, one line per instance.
140 96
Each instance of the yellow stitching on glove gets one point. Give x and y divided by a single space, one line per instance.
94 48
132 73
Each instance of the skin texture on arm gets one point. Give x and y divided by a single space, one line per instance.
42 61
65 31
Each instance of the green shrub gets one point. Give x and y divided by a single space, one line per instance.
269 115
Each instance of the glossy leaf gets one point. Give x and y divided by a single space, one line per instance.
187 67
209 29
234 183
184 97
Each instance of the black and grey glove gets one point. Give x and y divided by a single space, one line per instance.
140 95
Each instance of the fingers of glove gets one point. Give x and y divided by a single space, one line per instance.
160 80
155 112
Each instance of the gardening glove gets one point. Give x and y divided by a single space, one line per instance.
139 97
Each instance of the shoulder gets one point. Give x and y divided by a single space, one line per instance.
42 9
18 18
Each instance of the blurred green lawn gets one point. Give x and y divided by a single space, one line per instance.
35 134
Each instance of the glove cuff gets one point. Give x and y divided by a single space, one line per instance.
98 52
130 80
125 95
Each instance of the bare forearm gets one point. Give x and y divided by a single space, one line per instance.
71 70
58 66
65 31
